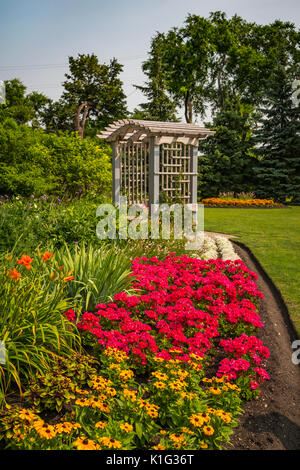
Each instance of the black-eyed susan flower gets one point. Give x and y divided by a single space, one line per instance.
196 420
101 424
110 442
83 443
160 385
208 430
126 427
26 415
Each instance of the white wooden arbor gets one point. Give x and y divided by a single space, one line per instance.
154 161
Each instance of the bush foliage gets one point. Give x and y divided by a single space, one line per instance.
33 162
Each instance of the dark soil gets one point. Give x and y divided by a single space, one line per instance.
273 421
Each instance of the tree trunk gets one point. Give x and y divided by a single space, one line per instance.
80 123
188 108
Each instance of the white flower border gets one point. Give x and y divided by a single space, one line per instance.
226 249
217 247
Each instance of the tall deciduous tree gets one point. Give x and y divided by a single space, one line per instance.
94 92
23 108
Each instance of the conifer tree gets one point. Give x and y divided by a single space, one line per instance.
159 106
278 139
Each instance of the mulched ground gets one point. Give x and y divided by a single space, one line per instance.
272 422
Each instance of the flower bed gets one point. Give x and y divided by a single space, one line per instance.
234 202
174 364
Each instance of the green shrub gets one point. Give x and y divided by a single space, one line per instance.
33 162
34 222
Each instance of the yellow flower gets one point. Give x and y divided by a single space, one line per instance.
26 415
226 418
205 417
104 407
130 394
176 385
177 438
111 391
187 430
141 403
203 445
83 402
214 391
152 410
64 427
160 375
110 443
115 366
219 379
101 424
196 357
126 375
126 427
81 392
86 444
158 359
208 430
159 447
196 420
159 384
45 430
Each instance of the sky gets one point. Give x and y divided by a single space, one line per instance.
38 36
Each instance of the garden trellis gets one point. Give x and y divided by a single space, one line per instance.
154 161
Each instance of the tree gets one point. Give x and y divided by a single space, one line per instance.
93 92
159 106
278 138
186 58
227 157
24 109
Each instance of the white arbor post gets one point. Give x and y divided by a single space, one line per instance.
116 171
153 172
194 173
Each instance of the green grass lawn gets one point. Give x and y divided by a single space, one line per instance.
273 235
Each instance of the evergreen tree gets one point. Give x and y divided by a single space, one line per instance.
159 106
278 139
227 157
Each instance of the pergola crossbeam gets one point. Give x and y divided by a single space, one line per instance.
153 157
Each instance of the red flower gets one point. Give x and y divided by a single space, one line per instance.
14 274
26 261
46 256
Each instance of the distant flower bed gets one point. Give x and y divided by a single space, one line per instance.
235 202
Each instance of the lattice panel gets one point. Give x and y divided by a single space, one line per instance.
134 168
175 173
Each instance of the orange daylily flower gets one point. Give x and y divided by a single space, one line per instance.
26 261
47 256
68 278
14 274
